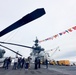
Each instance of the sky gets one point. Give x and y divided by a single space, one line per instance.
60 16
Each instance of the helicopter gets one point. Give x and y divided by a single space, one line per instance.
2 52
24 20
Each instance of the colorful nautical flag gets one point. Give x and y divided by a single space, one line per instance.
60 34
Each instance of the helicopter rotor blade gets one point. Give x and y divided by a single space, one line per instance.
16 44
24 20
10 49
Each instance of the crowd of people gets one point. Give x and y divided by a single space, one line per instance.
20 63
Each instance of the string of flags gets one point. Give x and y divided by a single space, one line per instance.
59 34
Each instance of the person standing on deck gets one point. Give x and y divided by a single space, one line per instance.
15 63
46 63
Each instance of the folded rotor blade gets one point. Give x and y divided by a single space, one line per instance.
10 49
15 44
26 19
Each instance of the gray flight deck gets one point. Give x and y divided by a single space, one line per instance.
52 70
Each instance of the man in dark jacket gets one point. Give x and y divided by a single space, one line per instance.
46 63
36 62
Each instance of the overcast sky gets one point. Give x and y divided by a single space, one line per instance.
60 15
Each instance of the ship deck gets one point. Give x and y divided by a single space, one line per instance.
52 70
